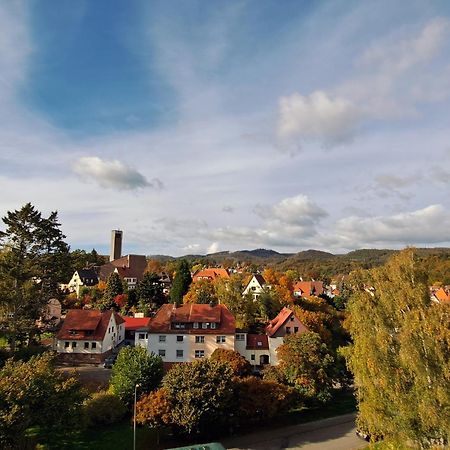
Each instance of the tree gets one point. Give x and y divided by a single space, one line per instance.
135 366
239 365
114 287
35 394
201 291
399 356
32 262
181 282
103 408
200 394
269 303
154 409
150 292
307 365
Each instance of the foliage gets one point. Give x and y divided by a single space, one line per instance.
273 373
201 394
135 366
260 400
307 364
399 356
32 262
103 408
149 292
239 365
201 291
114 287
181 282
34 394
269 303
154 409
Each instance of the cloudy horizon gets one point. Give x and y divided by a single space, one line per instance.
198 127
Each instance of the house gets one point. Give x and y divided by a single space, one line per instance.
82 277
440 295
210 274
190 332
136 330
130 268
255 286
89 335
253 347
307 288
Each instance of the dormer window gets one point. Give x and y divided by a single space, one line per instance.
195 325
72 332
259 344
213 325
204 325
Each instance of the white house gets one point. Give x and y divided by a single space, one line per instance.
255 286
89 335
82 277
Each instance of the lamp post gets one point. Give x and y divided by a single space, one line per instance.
134 421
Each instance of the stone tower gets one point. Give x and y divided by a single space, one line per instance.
116 245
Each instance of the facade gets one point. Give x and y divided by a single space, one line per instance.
189 332
255 286
210 274
136 330
82 277
89 335
130 268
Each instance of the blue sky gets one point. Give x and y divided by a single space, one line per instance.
206 125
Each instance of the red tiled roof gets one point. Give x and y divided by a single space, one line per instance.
309 287
191 313
257 342
130 266
276 323
134 323
211 274
82 324
442 296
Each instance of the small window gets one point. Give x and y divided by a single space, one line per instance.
142 336
195 325
66 344
199 339
295 329
252 357
240 337
74 344
162 353
112 328
199 353
213 325
259 344
179 353
86 345
204 325
180 338
292 318
220 339
288 330
162 338
94 345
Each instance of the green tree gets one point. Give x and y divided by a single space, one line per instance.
114 287
201 291
150 292
200 394
32 264
181 282
307 365
269 303
239 365
35 394
400 353
135 366
103 408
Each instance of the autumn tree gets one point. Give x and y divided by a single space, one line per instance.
35 394
400 354
200 394
239 365
135 366
307 365
114 287
181 282
154 409
201 291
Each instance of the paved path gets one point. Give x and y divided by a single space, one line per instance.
334 433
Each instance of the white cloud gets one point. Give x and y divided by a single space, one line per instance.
111 174
318 115
213 248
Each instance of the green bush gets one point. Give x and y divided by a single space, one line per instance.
103 408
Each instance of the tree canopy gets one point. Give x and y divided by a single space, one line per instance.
181 282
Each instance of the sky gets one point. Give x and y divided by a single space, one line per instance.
205 126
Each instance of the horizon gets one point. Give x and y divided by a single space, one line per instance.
199 128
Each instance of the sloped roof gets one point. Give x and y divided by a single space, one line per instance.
190 313
87 274
441 295
281 319
134 323
257 342
130 266
211 273
308 287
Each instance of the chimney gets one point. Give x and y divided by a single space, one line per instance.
116 245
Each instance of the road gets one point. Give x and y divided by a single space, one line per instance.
334 433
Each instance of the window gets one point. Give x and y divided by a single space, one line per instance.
199 353
93 344
112 328
288 330
180 338
204 325
74 344
220 339
199 339
240 337
179 353
162 338
142 336
179 325
213 326
66 344
259 344
252 357
292 318
195 325
162 353
86 345
295 329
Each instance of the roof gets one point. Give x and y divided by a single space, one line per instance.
82 324
442 296
257 342
309 287
129 266
212 274
260 279
279 320
90 274
190 313
134 323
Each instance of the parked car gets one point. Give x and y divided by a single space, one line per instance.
109 361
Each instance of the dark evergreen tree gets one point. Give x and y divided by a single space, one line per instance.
114 287
150 292
181 282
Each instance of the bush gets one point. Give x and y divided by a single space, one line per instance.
103 408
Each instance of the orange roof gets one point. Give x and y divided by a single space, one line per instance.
442 296
278 321
211 274
134 323
308 287
190 313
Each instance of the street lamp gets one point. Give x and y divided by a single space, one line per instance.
134 422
